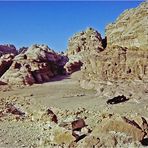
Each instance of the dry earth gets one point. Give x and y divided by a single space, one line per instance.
67 99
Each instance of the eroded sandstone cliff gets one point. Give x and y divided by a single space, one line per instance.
130 29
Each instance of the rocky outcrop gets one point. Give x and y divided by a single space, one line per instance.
74 66
116 63
116 71
5 62
85 41
7 53
22 50
7 49
82 44
130 29
36 65
125 59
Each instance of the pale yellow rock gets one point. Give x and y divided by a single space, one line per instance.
60 135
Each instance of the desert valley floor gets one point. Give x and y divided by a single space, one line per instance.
67 99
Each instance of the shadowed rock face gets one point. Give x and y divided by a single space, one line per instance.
5 62
36 65
130 29
7 53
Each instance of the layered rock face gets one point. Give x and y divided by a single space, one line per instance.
36 65
130 29
7 49
116 71
116 63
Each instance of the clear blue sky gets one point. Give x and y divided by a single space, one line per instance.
52 23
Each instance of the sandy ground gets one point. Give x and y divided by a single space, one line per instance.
63 93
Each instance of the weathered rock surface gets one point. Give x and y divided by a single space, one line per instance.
5 62
7 49
85 41
82 44
61 136
71 67
36 65
116 63
130 29
117 124
22 50
126 55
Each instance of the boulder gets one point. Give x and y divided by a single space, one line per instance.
73 66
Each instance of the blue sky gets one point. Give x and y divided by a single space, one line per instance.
52 23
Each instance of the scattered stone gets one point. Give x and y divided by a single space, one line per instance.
10 108
52 115
77 131
118 99
78 124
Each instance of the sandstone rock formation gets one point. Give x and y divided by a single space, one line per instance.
7 49
5 62
118 62
82 44
36 65
22 50
85 41
71 67
130 29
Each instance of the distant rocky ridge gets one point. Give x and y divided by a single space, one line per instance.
37 64
130 29
7 49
